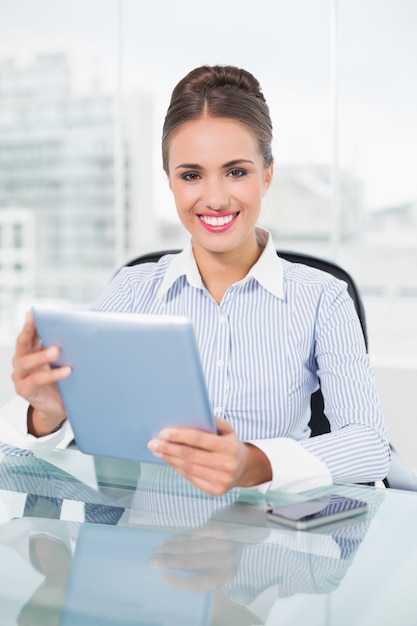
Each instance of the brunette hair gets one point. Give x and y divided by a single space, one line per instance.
219 91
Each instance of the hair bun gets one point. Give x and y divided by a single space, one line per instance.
203 79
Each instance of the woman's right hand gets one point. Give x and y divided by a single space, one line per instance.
35 380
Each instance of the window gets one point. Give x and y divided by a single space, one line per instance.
82 112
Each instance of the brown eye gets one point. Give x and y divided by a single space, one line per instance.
237 173
190 176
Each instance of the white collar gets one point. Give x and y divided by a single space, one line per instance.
267 271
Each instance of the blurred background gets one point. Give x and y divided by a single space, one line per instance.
84 86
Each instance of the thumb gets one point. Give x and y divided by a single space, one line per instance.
223 427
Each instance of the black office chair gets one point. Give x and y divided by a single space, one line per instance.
400 475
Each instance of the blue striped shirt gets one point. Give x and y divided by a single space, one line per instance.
264 349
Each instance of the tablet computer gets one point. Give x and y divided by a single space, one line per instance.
132 375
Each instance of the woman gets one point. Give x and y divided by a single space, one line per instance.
267 329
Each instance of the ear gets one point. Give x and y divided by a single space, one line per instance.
269 174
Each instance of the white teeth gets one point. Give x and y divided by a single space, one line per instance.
217 221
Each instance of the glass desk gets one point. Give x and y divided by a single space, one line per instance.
93 541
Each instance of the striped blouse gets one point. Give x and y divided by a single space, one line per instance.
264 349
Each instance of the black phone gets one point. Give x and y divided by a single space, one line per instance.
316 511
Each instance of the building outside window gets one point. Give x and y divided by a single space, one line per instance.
82 102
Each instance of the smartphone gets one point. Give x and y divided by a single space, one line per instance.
317 511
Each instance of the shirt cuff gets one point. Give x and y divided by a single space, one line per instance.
294 469
14 430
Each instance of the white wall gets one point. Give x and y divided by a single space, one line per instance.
397 387
6 385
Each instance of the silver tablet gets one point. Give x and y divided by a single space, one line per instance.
132 376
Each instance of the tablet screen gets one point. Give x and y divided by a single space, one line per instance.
132 376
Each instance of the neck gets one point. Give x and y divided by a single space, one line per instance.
220 270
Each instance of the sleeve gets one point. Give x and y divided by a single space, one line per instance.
14 433
294 469
357 448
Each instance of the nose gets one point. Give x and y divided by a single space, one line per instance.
215 195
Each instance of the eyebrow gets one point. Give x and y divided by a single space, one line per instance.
196 166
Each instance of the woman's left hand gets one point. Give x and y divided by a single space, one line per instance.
215 463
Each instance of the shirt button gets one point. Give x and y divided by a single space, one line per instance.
222 319
220 363
218 410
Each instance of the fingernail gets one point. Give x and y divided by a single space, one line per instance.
153 445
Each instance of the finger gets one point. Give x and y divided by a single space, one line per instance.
28 336
44 377
193 544
30 384
210 482
194 446
190 437
187 583
188 562
187 457
195 437
180 540
32 387
28 362
223 426
201 581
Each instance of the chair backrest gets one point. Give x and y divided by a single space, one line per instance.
400 475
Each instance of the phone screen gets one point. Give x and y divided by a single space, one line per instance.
317 511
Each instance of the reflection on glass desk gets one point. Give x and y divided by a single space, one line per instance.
94 541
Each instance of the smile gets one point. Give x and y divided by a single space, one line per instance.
217 221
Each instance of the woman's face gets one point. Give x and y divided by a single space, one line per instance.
218 178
